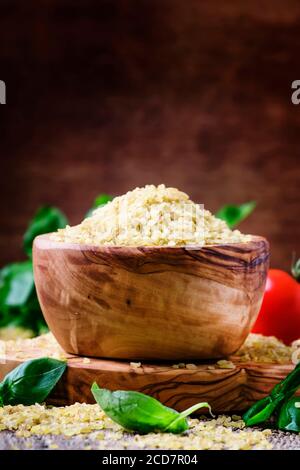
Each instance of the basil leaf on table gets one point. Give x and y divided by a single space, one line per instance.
289 416
47 219
262 410
31 382
100 201
233 215
138 412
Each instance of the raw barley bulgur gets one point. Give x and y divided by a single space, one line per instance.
220 433
268 349
151 216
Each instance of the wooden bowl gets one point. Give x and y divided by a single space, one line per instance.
160 303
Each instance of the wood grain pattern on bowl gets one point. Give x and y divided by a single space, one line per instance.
227 390
150 302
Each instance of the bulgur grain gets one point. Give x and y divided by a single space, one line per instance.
27 348
219 433
191 366
135 365
296 356
151 216
266 349
14 332
224 364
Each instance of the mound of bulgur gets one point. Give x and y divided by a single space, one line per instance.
220 433
268 349
151 216
30 348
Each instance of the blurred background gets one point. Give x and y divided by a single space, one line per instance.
107 95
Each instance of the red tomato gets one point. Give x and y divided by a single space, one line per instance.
280 311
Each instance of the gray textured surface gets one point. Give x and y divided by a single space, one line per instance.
285 440
8 440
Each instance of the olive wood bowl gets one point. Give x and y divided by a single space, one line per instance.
158 303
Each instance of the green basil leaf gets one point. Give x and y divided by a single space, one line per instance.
180 424
31 382
100 201
19 305
233 215
16 284
31 315
138 412
134 410
16 290
287 387
262 410
47 219
289 416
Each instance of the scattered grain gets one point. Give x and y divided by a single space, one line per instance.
136 365
191 366
219 433
224 364
14 332
53 446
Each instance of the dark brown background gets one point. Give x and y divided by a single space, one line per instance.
103 96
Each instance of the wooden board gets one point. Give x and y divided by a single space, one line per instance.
227 390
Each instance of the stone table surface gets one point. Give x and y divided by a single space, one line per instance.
10 441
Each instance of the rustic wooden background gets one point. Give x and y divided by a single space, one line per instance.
103 96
